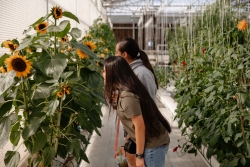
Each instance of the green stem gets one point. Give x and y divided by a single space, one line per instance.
25 113
55 41
78 71
59 114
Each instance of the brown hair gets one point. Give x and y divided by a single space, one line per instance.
119 73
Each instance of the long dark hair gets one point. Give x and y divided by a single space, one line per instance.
120 74
130 46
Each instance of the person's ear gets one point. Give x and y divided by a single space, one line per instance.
125 55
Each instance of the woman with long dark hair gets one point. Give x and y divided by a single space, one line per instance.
137 111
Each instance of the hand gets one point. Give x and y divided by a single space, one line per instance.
120 151
140 162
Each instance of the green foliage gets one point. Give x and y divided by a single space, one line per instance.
47 103
164 75
105 37
212 90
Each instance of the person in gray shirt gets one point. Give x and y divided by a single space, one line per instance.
138 61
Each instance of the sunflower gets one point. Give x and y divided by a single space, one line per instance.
9 44
28 50
57 12
242 25
102 55
20 64
81 54
106 50
42 28
90 44
69 48
2 70
59 94
64 39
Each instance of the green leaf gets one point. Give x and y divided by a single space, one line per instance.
52 66
5 127
71 16
248 147
209 89
91 77
6 80
5 107
67 74
75 32
94 118
26 42
84 156
64 32
238 135
83 48
42 91
227 139
240 66
210 152
15 134
48 154
214 141
82 119
2 59
50 110
240 142
32 128
63 25
243 161
40 141
74 146
11 158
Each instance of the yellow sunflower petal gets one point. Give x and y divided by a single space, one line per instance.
20 64
106 50
81 54
59 94
57 12
2 70
9 44
90 44
42 28
102 55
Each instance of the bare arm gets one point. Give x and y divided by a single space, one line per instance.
140 135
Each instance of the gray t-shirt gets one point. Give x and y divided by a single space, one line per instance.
145 76
129 107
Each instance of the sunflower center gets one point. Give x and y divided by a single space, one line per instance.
18 65
89 46
41 26
11 46
58 12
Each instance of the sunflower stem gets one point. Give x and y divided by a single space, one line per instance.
25 113
59 113
55 41
78 71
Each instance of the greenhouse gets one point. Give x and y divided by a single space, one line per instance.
68 97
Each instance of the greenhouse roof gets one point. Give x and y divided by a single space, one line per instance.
119 10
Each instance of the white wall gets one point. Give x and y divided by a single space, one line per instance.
17 15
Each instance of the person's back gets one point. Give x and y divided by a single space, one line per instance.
138 61
145 76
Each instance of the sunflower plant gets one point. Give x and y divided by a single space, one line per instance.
50 91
